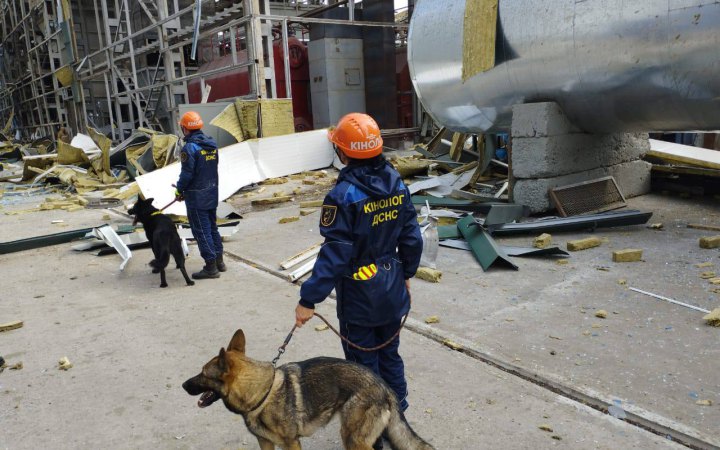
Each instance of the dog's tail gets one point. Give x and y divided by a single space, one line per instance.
402 436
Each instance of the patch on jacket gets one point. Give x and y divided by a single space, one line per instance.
365 272
183 156
328 215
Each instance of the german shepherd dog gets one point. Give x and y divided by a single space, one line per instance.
163 237
282 405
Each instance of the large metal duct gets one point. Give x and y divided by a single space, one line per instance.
612 65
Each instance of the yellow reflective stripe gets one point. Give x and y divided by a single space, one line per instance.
365 272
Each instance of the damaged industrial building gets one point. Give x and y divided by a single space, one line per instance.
562 157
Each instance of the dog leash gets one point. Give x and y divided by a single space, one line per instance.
281 349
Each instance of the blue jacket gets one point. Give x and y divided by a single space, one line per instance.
372 245
198 181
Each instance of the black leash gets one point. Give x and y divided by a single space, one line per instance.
281 349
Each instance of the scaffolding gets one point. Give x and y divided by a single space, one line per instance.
118 65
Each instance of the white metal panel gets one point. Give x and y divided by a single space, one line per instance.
246 163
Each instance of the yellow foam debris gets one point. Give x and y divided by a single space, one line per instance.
542 241
452 344
276 117
709 242
583 244
627 255
272 200
289 219
278 180
64 363
601 313
713 317
311 204
428 274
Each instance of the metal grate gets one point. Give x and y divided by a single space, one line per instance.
592 196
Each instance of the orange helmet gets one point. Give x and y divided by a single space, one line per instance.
358 136
191 120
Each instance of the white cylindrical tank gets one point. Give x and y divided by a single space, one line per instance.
612 65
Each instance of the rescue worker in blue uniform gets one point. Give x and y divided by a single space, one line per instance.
372 248
198 187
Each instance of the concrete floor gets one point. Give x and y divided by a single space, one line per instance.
133 343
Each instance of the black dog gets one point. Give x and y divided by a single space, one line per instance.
163 237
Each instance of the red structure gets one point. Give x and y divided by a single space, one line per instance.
235 83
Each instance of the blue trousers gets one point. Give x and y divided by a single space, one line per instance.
385 362
204 229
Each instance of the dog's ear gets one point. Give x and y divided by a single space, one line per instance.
222 361
150 200
237 343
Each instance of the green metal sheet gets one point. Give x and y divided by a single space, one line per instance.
42 241
486 251
448 232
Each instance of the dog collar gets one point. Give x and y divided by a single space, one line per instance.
267 394
156 213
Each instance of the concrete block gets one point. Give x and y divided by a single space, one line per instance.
627 255
540 120
583 244
633 178
710 242
546 157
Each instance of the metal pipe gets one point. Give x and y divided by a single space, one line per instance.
669 300
196 29
286 59
612 66
322 9
133 67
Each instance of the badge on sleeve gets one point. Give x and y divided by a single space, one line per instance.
183 156
328 215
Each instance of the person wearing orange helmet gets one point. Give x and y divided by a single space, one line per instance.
372 248
198 187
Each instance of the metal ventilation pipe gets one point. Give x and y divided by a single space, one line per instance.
612 65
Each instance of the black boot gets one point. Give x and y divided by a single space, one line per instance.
220 264
209 271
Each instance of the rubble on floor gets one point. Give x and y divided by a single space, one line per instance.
85 169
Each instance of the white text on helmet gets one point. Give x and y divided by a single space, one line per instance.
369 144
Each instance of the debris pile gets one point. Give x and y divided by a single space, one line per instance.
683 169
87 166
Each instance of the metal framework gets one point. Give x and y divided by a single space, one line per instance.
117 65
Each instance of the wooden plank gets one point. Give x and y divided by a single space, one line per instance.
701 157
458 142
11 325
